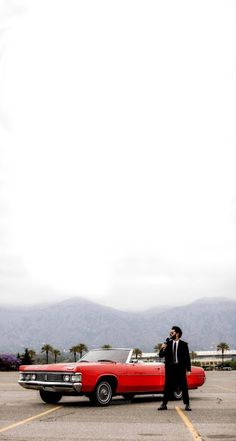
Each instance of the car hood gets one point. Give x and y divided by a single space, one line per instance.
62 367
49 367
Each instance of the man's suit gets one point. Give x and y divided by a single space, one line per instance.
175 370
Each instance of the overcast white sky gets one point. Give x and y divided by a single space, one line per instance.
117 151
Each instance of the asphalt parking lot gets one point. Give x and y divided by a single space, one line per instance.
23 416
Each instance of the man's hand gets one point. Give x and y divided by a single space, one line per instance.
164 346
188 373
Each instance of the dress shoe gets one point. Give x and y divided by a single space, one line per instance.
162 407
188 408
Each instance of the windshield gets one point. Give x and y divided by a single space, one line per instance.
114 355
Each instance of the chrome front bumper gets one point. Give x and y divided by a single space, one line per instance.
52 386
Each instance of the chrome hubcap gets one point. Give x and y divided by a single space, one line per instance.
104 393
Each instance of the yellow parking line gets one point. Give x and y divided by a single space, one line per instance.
189 425
4 429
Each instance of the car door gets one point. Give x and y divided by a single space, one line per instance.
143 377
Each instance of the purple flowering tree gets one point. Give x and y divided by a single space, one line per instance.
9 362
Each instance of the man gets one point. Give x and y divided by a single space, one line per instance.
177 366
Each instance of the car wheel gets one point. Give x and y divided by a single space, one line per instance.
177 394
50 397
128 396
102 394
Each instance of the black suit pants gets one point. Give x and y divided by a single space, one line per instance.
175 378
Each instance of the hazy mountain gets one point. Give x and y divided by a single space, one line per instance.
205 323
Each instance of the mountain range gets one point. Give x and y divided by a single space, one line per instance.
205 323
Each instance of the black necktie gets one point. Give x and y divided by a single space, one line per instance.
174 352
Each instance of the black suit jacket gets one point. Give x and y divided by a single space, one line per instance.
182 355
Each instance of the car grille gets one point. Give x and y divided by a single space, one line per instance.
48 376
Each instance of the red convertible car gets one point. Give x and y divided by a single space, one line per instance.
100 375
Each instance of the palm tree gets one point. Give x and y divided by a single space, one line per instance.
222 347
137 352
74 350
157 347
32 354
82 348
193 355
106 347
56 353
47 348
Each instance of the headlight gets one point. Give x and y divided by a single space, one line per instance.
66 377
33 377
28 377
21 376
76 377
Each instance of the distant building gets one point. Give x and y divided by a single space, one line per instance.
205 358
214 358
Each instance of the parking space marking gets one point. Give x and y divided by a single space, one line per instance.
19 423
187 422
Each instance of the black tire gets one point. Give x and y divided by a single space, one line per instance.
178 394
50 397
102 394
128 396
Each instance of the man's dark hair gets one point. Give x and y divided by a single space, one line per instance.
177 330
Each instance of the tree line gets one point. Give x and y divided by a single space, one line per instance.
29 355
